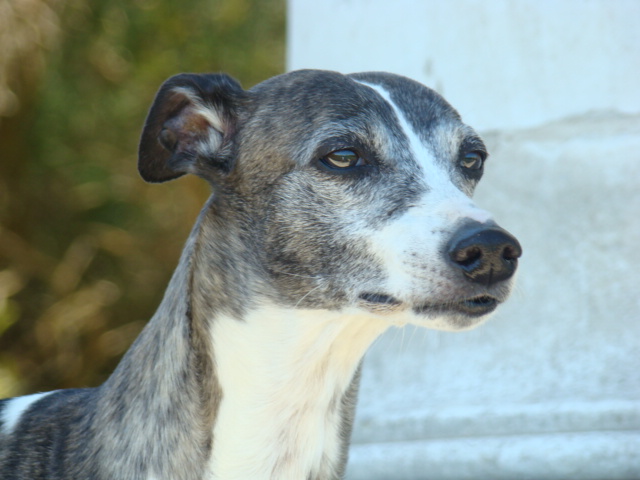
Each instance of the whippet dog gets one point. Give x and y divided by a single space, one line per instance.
341 206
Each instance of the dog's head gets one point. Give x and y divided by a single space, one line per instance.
354 191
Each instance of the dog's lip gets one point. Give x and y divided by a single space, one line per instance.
379 299
379 302
475 306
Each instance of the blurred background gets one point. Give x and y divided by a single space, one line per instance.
81 265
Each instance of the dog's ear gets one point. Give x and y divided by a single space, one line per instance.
190 127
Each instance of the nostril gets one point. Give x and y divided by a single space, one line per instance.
512 251
466 257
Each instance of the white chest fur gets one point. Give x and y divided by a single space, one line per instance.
283 374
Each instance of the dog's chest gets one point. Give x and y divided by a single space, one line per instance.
283 376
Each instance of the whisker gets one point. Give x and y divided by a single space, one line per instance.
307 294
296 274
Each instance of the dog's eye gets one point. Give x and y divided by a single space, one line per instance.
472 161
343 159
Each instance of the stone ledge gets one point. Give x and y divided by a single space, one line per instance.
497 420
562 456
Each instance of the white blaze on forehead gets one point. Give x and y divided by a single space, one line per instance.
443 195
420 153
15 407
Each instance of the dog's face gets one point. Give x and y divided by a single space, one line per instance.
356 190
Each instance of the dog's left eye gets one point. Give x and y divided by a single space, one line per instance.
473 161
343 159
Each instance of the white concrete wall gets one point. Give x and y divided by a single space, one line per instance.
503 63
549 389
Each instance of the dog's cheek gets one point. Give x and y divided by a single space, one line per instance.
315 255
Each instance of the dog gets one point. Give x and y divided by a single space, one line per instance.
341 207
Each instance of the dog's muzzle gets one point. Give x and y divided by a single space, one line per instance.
484 256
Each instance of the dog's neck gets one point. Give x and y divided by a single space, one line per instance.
288 377
288 380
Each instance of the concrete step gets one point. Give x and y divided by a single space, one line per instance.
560 456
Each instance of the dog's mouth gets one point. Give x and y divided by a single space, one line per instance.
379 298
476 306
473 307
379 302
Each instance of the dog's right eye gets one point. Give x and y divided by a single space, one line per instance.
343 160
473 161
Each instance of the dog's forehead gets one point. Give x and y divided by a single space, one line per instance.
325 93
423 108
314 97
299 110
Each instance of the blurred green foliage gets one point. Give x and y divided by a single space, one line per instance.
86 248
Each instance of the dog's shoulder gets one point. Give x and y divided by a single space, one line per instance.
51 424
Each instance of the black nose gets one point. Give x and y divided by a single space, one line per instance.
486 253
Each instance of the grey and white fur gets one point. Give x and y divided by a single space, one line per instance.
341 206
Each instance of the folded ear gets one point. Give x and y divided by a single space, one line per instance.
190 127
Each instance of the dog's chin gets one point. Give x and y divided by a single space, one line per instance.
454 315
449 321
